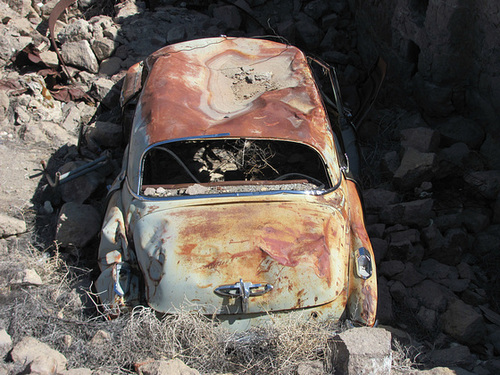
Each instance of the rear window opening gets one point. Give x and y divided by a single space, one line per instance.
231 166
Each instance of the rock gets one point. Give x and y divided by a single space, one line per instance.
375 230
460 129
10 44
104 134
50 59
390 163
484 243
485 183
410 276
362 351
5 343
455 244
170 367
463 323
41 358
77 225
111 66
4 105
310 368
176 34
80 55
77 371
391 267
435 270
457 355
76 31
432 295
308 34
229 15
375 199
316 9
100 338
408 213
493 337
452 160
379 249
416 167
435 99
475 220
81 188
421 139
398 291
10 226
427 318
105 91
103 48
489 150
384 304
26 277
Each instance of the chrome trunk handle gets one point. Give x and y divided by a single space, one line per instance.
243 290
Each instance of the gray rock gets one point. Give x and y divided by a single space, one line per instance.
457 355
41 357
463 323
484 243
485 183
77 225
391 268
307 32
76 31
316 9
4 105
176 34
384 304
229 15
408 213
80 55
460 129
416 167
26 277
362 351
104 134
489 150
455 285
475 220
410 276
77 371
79 189
311 368
421 139
455 244
432 295
435 99
375 199
398 291
390 163
100 338
452 160
170 367
427 318
103 48
435 270
5 342
380 248
50 59
105 91
10 226
111 66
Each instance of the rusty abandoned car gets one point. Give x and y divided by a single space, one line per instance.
236 198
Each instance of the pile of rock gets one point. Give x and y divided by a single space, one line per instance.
435 226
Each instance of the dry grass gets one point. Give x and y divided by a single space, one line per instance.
60 313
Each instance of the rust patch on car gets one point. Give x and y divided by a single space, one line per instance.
227 85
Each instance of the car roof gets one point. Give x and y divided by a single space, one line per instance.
229 87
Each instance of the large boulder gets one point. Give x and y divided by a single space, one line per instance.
77 225
362 351
41 358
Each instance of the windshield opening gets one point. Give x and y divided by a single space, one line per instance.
212 166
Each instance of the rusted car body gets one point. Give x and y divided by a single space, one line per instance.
234 198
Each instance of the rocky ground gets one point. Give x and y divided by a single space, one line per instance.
431 189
